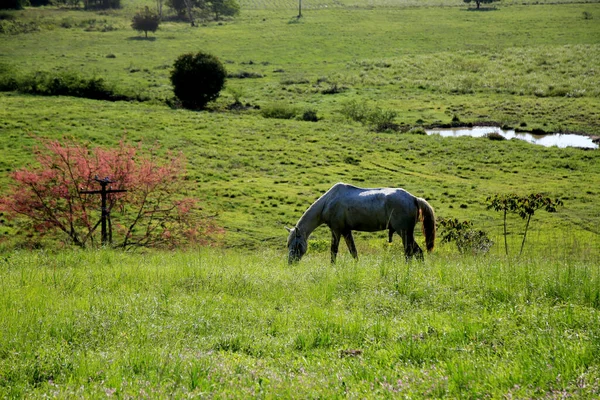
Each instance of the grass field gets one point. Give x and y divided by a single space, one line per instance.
227 324
236 321
529 66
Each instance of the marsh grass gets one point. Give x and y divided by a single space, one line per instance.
234 324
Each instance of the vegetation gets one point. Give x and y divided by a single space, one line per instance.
212 322
197 79
468 240
101 4
64 83
478 2
237 321
524 206
150 197
145 21
224 8
12 5
205 9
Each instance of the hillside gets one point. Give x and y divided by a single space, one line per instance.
527 66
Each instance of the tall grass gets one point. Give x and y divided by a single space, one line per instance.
235 325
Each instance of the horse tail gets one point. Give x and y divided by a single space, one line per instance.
427 216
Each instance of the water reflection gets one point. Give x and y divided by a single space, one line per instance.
555 139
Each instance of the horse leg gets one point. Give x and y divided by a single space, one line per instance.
390 234
411 248
350 243
417 252
335 245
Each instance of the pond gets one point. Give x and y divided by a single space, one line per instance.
553 139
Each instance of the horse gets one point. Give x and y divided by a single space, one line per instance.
346 208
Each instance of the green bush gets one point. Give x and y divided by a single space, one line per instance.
383 120
467 239
15 27
495 136
279 111
380 119
310 115
356 111
197 79
417 130
64 84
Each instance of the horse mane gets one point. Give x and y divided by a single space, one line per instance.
311 218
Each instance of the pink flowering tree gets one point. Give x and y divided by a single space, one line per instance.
154 211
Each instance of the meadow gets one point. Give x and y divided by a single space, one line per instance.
236 321
227 324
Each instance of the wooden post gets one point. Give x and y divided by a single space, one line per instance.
105 214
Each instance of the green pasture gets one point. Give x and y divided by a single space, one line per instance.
228 324
529 66
236 321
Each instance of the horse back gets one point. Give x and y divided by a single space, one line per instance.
353 208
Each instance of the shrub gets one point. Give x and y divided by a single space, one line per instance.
15 27
383 120
310 115
245 75
356 111
418 130
380 119
279 111
145 21
467 239
333 89
495 136
197 79
63 84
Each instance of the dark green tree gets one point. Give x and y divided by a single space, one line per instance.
145 21
224 8
12 4
101 4
479 2
197 79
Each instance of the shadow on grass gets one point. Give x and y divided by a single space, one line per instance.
482 9
142 38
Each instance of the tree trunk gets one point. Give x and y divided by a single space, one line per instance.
159 8
505 242
188 5
525 235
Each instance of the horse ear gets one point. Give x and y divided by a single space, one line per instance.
288 229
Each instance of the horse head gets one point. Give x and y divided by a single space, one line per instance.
297 245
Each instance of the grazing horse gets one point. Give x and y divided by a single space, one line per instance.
346 208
